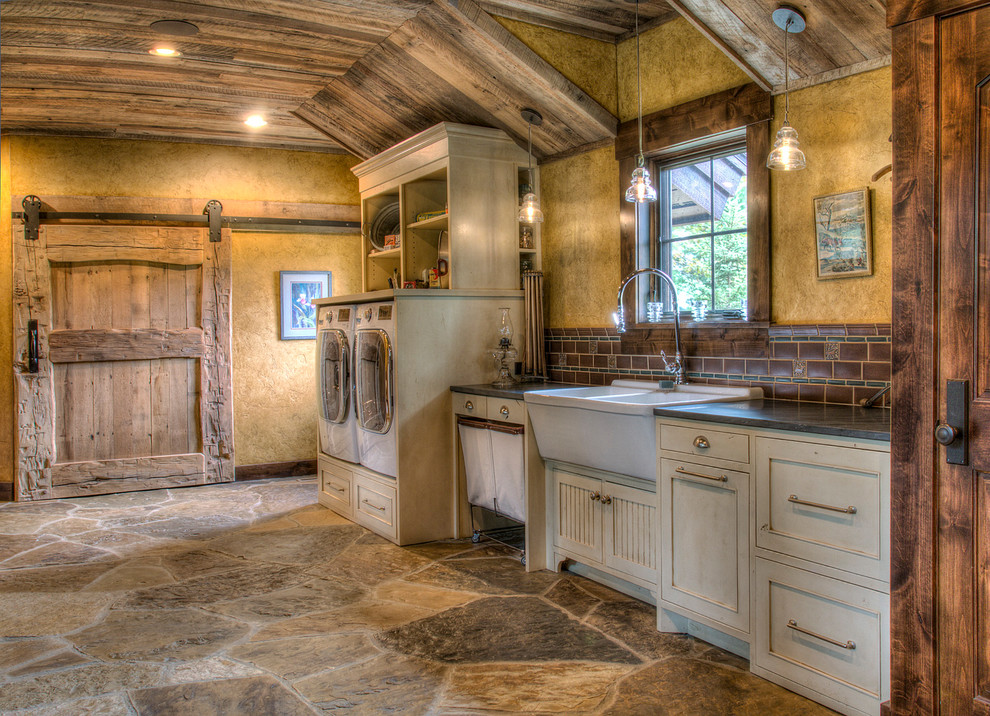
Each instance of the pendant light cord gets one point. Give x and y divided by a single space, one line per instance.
639 91
529 158
787 67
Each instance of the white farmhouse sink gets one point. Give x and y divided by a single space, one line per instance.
611 427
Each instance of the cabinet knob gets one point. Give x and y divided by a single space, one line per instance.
606 499
504 412
595 496
701 442
469 405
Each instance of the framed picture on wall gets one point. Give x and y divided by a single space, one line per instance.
843 235
297 291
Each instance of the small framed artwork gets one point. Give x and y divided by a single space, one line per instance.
297 291
843 235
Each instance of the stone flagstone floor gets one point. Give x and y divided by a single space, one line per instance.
249 598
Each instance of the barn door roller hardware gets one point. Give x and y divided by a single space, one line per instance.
212 216
32 217
214 209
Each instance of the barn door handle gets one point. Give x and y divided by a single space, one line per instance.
952 431
32 357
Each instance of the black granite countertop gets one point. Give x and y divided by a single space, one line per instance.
844 420
513 392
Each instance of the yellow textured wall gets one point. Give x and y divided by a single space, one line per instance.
678 65
6 321
844 127
581 194
590 64
581 238
275 381
274 398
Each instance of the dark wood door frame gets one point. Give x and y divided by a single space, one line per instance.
915 462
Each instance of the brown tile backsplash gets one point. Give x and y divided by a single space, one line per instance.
839 363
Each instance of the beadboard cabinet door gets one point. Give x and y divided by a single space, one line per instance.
578 510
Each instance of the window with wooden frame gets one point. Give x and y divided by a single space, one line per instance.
710 143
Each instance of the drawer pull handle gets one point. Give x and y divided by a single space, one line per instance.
701 442
504 412
606 499
371 504
336 489
851 510
469 405
595 496
720 478
791 624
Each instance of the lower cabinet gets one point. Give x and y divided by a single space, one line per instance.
604 520
336 487
824 638
704 544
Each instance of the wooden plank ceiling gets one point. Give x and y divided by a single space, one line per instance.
360 75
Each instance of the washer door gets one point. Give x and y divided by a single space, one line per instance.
335 375
373 379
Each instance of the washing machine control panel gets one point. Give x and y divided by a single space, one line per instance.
385 313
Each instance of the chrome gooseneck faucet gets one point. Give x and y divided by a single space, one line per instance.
676 366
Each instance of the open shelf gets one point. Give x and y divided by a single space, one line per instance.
436 222
386 254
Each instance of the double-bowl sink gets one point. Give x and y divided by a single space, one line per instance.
611 427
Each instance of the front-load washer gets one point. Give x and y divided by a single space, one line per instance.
335 384
374 384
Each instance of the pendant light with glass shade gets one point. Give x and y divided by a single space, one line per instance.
529 211
641 190
786 154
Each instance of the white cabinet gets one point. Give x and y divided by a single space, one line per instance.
780 540
450 195
336 486
604 520
821 595
704 543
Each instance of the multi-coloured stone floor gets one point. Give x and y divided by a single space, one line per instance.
249 598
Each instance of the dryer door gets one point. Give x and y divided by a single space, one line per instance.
335 375
373 379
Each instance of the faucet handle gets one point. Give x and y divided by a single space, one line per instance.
669 364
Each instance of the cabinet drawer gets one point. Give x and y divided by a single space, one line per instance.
508 411
702 441
467 404
336 486
826 635
375 506
824 503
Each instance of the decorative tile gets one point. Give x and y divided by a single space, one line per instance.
612 361
799 369
831 350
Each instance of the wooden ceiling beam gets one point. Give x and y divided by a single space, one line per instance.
469 50
605 20
768 57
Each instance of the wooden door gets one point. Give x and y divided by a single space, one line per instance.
133 384
940 511
963 350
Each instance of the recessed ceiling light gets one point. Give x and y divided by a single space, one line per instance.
255 120
180 28
164 51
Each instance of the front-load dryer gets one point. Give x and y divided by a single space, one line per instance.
337 419
374 383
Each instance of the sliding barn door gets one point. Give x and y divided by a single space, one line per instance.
132 384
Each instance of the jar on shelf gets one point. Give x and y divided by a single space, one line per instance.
525 237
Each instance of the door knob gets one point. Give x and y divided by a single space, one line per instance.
946 434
